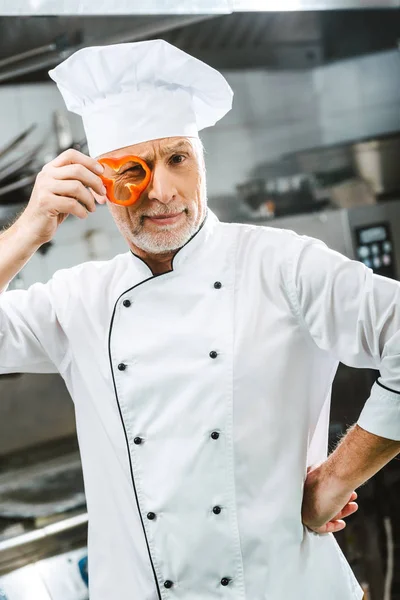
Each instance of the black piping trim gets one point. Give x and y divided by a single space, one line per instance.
116 394
126 436
386 388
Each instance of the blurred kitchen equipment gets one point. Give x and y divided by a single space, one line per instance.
277 189
332 159
14 143
31 542
17 185
43 524
278 197
351 193
48 488
53 562
81 146
372 160
378 162
255 201
330 167
18 171
62 130
15 167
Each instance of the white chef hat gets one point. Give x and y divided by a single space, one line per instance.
140 91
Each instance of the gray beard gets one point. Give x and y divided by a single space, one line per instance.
166 240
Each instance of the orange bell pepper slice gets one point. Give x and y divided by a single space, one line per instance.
136 189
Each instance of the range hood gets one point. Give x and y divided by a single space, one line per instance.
216 32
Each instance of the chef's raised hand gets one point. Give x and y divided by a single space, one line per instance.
61 188
325 503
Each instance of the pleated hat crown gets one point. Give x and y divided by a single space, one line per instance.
140 91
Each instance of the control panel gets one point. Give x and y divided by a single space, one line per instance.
374 247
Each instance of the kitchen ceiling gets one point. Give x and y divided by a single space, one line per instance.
30 46
127 7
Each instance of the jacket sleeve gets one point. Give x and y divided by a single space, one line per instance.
32 339
354 315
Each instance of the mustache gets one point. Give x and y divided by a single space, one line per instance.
165 211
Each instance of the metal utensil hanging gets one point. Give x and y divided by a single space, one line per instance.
17 185
17 140
13 168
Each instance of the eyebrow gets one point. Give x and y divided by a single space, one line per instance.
170 149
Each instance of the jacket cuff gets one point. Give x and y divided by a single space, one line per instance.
381 413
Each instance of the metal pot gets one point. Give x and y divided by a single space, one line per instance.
378 162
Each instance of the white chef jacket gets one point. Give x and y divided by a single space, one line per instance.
201 396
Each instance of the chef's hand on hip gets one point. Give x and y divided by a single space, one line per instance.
325 503
62 188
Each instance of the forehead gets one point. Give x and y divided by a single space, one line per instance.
154 148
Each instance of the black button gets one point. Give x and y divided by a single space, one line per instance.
151 516
127 303
213 354
215 435
138 440
216 510
225 581
121 367
168 583
218 285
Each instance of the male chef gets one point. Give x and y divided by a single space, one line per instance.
200 361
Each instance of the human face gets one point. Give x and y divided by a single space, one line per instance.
172 207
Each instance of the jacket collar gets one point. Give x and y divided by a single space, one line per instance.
190 250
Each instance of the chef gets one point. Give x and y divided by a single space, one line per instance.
200 361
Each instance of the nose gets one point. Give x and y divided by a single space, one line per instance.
161 186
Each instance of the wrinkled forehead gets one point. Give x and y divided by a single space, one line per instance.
149 151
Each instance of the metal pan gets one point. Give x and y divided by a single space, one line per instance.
42 490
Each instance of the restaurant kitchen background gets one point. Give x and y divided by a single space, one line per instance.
312 144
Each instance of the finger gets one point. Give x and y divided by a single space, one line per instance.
66 205
101 199
79 173
346 511
72 156
331 527
74 189
353 497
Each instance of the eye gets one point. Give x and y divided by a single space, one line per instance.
176 159
135 169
